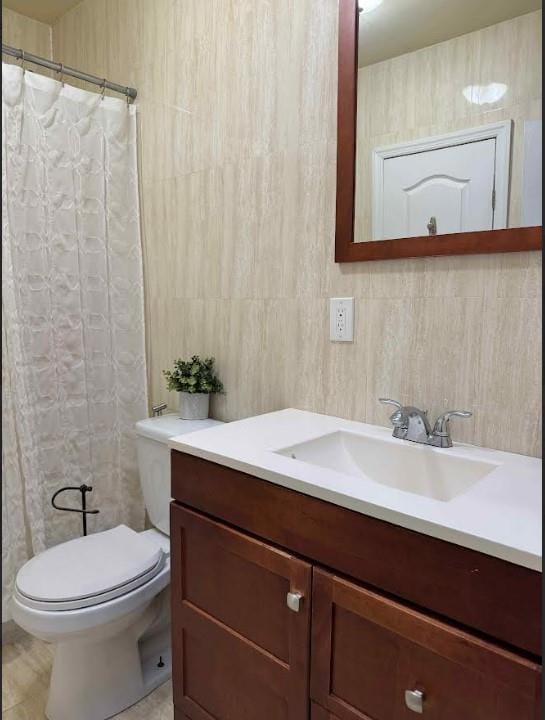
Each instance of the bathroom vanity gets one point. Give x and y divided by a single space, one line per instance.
304 584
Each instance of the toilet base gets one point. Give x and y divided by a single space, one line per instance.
97 677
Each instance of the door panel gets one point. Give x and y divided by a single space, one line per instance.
240 583
318 713
367 651
454 185
238 651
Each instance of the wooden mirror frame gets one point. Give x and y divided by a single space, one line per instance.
346 250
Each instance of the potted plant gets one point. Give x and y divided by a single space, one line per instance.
194 380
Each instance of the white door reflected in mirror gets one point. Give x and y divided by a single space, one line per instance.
454 185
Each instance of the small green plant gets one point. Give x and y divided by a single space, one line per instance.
194 376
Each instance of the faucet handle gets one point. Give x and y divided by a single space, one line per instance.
441 427
157 410
387 401
398 418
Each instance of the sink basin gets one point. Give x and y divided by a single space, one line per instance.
414 468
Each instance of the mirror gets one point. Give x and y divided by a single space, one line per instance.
446 127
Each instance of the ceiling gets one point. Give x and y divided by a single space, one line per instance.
44 10
400 26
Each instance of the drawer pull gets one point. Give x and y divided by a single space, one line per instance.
293 601
414 700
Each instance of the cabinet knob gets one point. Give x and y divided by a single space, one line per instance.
414 700
294 600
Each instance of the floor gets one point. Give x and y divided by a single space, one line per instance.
26 664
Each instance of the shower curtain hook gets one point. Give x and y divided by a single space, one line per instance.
127 95
23 66
60 71
103 88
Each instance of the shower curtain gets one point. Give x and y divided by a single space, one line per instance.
73 357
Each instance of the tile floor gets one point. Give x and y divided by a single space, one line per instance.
26 664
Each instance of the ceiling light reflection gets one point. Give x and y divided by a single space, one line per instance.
484 94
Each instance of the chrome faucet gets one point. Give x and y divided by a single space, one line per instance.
411 423
440 436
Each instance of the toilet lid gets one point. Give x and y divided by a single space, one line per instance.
90 569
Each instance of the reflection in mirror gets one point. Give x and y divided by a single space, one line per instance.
448 118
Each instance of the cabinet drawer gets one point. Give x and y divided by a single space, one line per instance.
368 651
238 650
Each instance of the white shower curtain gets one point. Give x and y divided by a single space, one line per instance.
73 357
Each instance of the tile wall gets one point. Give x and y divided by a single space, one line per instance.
237 106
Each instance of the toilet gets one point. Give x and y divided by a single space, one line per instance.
103 599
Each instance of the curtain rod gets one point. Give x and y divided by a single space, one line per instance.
65 70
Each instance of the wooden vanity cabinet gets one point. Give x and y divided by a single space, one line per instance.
352 648
238 651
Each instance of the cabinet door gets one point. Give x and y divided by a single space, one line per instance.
239 651
369 651
318 713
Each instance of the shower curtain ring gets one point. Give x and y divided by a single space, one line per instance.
103 88
23 66
127 95
60 71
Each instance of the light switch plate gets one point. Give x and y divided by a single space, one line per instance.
341 319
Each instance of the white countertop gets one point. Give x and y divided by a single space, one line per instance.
500 515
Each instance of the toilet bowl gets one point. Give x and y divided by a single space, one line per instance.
103 599
111 630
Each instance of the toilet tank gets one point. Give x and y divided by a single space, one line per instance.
154 461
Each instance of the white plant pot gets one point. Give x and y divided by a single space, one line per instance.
194 406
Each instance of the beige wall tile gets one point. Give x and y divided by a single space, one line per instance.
237 109
430 359
510 375
23 32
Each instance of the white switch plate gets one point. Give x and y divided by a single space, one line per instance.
341 319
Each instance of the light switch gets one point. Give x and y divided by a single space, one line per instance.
341 319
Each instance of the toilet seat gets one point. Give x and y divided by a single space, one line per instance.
89 570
